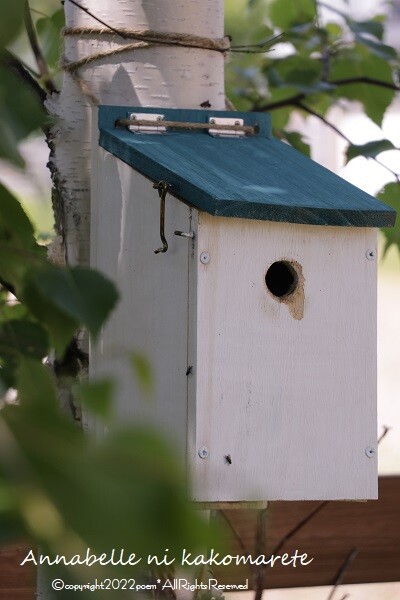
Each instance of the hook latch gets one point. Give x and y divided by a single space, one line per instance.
162 187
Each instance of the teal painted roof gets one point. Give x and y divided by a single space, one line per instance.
256 177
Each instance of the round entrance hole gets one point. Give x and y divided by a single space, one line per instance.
281 279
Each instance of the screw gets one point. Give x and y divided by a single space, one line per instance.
237 122
370 451
189 234
203 452
370 254
204 258
212 121
159 118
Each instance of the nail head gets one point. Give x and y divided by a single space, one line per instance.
370 451
370 254
203 452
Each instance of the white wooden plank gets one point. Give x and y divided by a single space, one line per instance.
151 317
291 398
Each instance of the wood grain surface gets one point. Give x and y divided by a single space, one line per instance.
373 528
286 387
151 316
257 177
16 582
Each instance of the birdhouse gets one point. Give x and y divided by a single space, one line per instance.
247 275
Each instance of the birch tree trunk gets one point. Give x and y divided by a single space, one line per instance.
159 76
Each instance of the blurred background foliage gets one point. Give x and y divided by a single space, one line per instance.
57 486
315 65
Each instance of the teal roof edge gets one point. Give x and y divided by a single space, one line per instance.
258 177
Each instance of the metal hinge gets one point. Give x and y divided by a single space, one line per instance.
225 132
157 128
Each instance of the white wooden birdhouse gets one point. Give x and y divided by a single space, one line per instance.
257 311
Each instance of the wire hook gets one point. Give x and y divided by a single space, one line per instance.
162 187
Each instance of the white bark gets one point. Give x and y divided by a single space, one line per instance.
160 76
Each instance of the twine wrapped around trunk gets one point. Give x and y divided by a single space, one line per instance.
142 39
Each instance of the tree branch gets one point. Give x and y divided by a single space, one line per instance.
299 526
312 112
384 433
396 175
342 571
368 80
337 82
261 575
278 104
15 64
261 542
234 532
41 63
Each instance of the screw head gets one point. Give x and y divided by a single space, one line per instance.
212 121
204 258
370 451
203 452
370 254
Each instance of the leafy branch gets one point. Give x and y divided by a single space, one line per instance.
325 62
16 65
293 100
37 52
380 145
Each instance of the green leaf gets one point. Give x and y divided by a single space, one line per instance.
143 371
369 150
63 299
96 396
14 223
107 492
378 48
49 33
359 62
4 385
36 388
288 13
61 326
391 195
21 114
12 312
296 140
334 30
7 500
84 294
11 525
18 247
23 338
281 117
11 20
297 72
372 27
